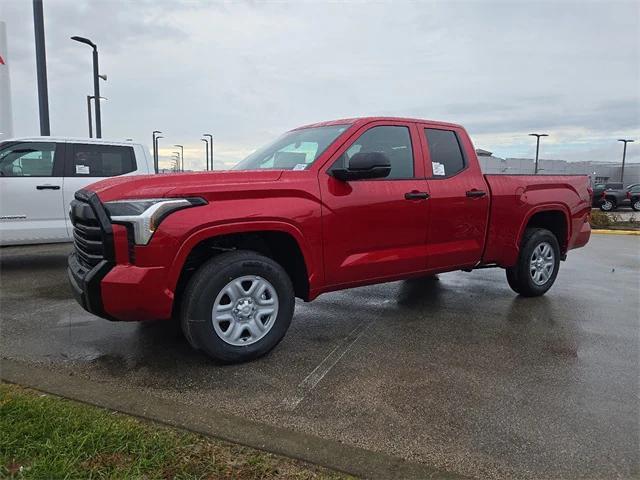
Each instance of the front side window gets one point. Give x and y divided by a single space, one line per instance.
101 161
445 152
28 159
295 150
394 142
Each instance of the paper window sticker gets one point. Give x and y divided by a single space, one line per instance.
300 166
82 170
438 168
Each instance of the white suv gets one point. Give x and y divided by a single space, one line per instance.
39 176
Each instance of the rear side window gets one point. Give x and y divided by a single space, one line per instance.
27 159
101 161
445 152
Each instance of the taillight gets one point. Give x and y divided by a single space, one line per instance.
602 196
628 194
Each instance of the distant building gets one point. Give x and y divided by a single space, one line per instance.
599 172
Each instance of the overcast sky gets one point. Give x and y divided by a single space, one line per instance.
248 71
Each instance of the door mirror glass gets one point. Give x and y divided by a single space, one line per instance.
364 165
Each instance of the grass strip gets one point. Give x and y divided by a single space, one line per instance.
47 437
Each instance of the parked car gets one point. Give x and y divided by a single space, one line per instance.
39 176
634 197
613 198
324 207
599 188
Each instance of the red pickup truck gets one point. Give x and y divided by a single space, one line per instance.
324 207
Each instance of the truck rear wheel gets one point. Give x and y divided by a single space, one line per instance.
512 280
538 263
237 306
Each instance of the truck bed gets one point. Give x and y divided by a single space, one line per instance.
515 199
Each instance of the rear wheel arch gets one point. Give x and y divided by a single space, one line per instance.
554 219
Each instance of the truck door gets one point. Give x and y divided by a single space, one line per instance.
375 228
459 198
90 162
31 182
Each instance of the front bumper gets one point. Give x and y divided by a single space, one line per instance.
114 290
85 285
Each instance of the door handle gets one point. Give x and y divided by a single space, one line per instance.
476 193
416 195
48 187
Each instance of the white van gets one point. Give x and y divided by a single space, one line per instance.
39 176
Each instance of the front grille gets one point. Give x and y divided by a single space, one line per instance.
88 236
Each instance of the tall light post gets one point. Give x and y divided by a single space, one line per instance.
89 98
176 161
41 67
182 155
624 155
211 142
154 142
179 162
206 152
537 135
96 81
158 152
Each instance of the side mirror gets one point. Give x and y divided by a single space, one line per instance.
364 165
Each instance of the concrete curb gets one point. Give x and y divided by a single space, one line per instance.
615 232
301 446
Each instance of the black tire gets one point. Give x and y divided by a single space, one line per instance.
209 281
520 277
608 205
635 204
512 279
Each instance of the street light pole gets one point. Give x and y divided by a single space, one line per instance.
158 153
537 135
89 98
624 155
41 67
176 159
211 141
182 150
96 81
206 152
154 145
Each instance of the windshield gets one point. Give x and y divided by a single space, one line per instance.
294 150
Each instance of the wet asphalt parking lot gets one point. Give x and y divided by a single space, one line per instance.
456 372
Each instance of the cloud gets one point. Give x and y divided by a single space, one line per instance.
248 71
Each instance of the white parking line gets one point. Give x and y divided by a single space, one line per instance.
325 366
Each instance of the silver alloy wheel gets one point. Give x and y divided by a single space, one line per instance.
245 310
607 205
636 205
542 263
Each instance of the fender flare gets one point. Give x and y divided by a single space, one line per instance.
546 207
229 228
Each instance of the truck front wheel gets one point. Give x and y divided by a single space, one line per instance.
538 263
237 306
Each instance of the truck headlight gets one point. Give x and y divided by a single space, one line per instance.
146 214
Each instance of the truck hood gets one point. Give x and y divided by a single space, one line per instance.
180 184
